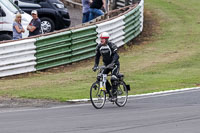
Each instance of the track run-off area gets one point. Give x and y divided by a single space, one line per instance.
175 111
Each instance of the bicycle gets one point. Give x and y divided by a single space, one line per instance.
99 90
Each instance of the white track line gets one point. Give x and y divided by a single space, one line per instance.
161 93
164 93
140 96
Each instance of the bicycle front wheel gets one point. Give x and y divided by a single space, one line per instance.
97 96
122 94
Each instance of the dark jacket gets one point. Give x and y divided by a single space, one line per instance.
96 4
108 53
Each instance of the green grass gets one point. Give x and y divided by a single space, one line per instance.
169 61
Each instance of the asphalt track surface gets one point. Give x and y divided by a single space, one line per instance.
177 112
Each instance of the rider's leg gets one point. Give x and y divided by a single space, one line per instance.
108 88
114 79
114 84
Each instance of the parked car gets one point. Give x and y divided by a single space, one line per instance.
8 12
52 13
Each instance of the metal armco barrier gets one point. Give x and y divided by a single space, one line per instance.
17 57
64 48
132 24
142 14
83 43
53 50
70 45
115 29
121 3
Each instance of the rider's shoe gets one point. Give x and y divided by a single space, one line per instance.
114 98
110 98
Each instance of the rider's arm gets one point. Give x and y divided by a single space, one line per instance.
115 57
114 52
97 57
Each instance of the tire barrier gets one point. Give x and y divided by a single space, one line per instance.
68 46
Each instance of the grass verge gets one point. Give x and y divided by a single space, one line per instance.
169 59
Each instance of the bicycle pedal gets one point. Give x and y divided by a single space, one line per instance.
110 99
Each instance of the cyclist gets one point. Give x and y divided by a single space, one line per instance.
108 51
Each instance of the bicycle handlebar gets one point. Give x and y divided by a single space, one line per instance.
101 67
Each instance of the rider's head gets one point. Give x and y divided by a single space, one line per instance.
104 37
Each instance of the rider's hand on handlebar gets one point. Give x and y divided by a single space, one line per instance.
95 68
110 66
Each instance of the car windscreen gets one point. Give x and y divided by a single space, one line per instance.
55 1
10 6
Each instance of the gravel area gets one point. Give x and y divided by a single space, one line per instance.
7 102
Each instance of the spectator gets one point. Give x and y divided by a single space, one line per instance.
34 26
85 10
17 27
95 8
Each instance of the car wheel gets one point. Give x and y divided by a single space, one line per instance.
47 25
5 37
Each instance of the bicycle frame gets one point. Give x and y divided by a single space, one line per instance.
102 78
99 89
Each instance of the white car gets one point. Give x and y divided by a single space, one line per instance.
8 11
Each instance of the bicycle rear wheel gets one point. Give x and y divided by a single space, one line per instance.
97 96
122 94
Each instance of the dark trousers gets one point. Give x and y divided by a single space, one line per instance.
95 13
114 73
85 17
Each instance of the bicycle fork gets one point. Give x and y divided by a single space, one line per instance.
103 82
